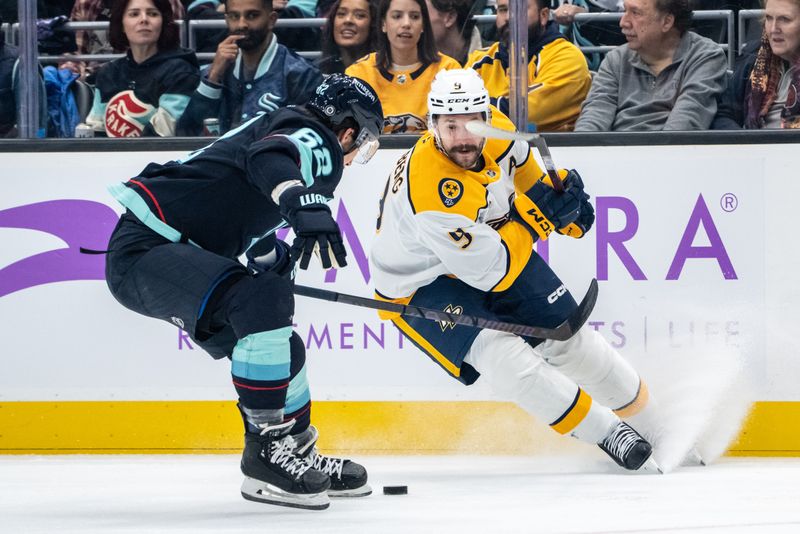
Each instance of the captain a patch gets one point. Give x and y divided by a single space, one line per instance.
450 191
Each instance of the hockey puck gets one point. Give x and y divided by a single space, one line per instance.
395 490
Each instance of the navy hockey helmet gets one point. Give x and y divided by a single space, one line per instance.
340 97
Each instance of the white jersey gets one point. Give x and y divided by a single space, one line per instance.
440 219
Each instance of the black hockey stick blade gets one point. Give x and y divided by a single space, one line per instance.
562 332
484 129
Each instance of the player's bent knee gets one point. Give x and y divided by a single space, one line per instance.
260 303
505 361
571 352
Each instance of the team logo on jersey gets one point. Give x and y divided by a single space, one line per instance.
453 310
407 123
450 191
269 102
401 79
126 115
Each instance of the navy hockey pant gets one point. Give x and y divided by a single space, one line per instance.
537 298
224 309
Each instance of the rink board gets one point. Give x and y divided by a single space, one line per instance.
691 247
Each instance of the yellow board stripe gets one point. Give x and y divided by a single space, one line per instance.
574 414
429 349
354 428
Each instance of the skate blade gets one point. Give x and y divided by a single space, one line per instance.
650 466
693 458
362 491
258 491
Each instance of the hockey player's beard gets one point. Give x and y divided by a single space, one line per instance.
252 39
465 156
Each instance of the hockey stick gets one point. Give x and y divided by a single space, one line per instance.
562 332
487 130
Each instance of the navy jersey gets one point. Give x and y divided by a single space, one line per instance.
219 197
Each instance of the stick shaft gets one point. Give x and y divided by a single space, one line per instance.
562 332
547 158
487 130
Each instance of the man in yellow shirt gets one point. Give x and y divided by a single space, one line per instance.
558 76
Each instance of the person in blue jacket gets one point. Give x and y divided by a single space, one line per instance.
251 73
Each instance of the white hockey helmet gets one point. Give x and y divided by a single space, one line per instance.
457 91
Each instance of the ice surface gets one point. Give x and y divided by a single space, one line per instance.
447 494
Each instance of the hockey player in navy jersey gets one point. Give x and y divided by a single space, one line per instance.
458 220
173 256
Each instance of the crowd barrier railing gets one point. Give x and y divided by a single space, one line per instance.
189 37
745 17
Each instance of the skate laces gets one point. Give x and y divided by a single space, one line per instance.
329 466
621 441
282 454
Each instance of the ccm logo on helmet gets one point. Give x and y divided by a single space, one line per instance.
457 100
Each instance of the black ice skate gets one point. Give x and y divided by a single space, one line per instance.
274 473
628 448
348 479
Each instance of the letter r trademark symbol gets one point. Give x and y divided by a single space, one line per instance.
729 202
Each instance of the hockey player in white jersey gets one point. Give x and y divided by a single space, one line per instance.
458 219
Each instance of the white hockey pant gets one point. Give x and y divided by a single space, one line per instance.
589 360
517 373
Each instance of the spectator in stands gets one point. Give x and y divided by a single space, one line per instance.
145 92
251 73
664 78
347 35
404 65
558 76
453 28
97 42
295 38
9 92
764 89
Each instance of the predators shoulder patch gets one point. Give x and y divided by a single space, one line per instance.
450 191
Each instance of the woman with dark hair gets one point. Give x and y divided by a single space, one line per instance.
347 35
404 64
145 92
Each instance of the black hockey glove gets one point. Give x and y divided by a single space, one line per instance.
270 255
543 210
315 230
